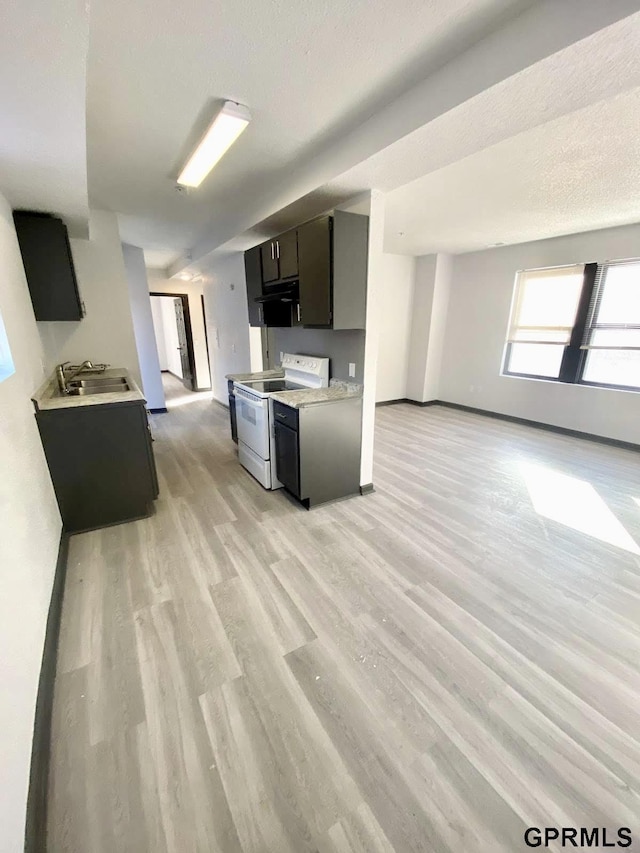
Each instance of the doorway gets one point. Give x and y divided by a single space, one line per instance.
174 336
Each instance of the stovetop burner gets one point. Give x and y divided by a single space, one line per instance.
269 386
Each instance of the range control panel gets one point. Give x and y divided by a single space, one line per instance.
300 366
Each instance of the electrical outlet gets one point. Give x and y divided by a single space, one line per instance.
281 357
352 368
233 347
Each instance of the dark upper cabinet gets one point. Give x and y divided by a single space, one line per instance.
48 265
280 257
314 260
328 258
332 257
253 274
287 253
270 269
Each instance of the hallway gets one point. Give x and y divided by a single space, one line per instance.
238 674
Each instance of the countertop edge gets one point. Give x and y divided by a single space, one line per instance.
287 399
44 400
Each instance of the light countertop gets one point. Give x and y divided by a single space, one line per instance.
336 391
276 373
48 395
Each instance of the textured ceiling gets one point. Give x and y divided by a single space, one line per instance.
589 72
309 73
577 173
552 59
43 51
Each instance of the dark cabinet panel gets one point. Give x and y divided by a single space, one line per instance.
287 252
101 462
314 263
48 265
287 459
253 275
269 261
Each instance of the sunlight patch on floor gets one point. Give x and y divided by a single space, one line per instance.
574 503
191 397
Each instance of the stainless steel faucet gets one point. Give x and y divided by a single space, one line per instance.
74 370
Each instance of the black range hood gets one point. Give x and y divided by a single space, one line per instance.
280 293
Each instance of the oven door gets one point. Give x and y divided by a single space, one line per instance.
252 418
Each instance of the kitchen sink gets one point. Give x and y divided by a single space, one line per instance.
104 385
99 389
98 383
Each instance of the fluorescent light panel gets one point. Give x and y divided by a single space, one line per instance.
223 132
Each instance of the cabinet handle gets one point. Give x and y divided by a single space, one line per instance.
298 306
261 314
272 253
278 249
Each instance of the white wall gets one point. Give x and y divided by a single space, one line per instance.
29 538
160 284
476 328
375 285
428 319
158 329
425 272
227 320
396 302
140 302
106 333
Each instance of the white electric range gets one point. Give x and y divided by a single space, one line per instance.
254 412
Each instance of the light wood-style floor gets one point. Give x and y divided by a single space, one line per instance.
434 667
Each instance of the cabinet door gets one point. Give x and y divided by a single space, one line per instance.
269 261
48 265
287 462
314 261
287 253
253 275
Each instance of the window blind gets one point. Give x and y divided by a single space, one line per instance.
613 320
545 305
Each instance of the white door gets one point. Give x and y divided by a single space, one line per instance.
253 422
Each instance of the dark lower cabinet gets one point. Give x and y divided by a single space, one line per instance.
101 462
287 460
232 411
318 449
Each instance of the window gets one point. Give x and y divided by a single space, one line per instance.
543 315
577 324
6 361
612 339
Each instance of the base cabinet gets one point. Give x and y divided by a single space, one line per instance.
101 462
318 449
233 420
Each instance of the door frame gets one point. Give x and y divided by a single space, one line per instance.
193 384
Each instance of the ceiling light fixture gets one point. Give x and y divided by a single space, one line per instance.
222 133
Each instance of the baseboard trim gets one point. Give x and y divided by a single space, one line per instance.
367 489
574 433
162 411
423 403
410 402
35 840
